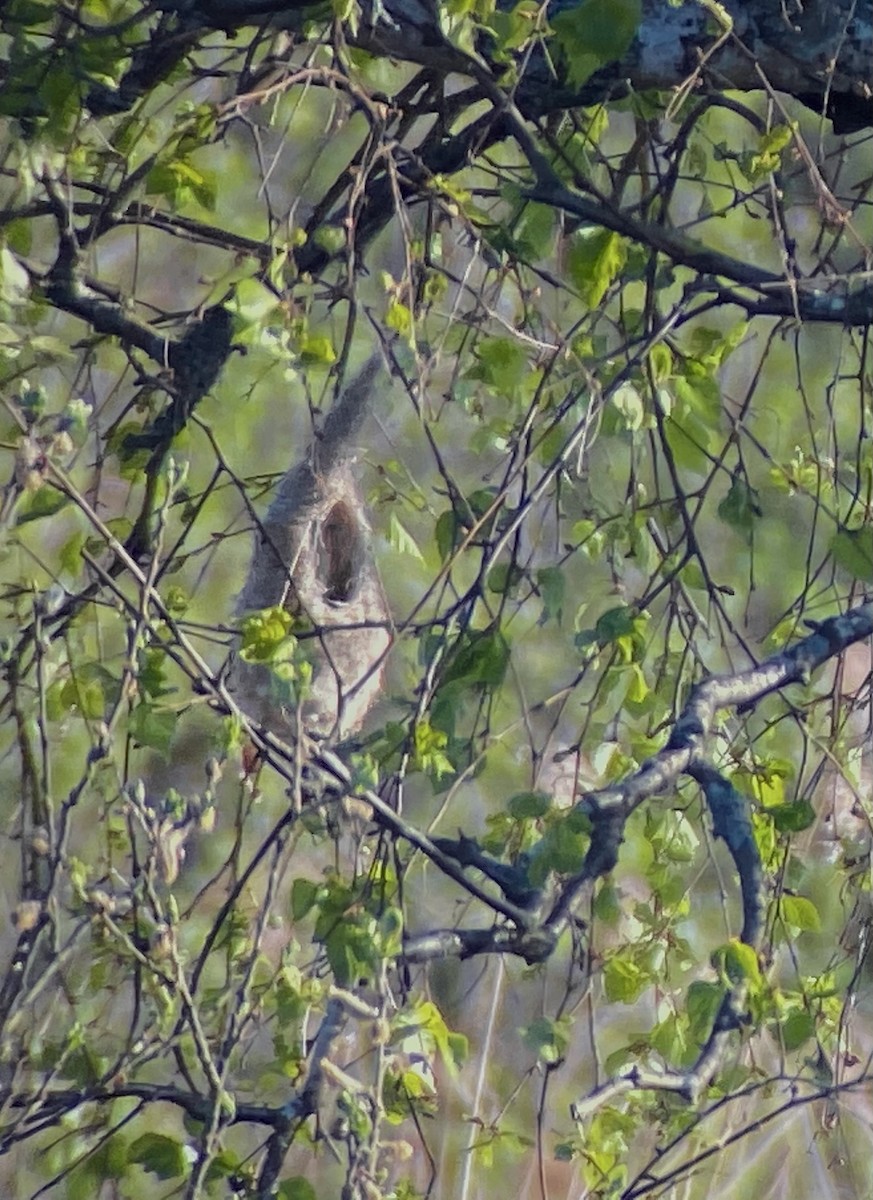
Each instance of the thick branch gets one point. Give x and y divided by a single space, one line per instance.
685 752
819 53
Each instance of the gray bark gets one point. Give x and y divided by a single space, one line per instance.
819 51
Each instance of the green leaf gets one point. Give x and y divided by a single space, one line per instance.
595 258
425 1019
316 350
428 754
703 1002
562 850
548 1039
402 540
352 953
594 33
695 419
153 727
14 280
622 627
504 577
502 364
607 905
853 551
182 183
629 403
638 688
529 806
740 508
398 317
624 980
151 674
296 1188
768 158
89 691
800 914
793 817
533 234
692 576
304 894
330 238
44 502
739 962
32 12
660 362
551 585
264 634
70 556
479 657
446 533
75 420
161 1156
796 1029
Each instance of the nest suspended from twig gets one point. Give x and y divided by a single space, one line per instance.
313 557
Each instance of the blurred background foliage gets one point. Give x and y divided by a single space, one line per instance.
595 474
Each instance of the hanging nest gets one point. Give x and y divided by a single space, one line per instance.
313 557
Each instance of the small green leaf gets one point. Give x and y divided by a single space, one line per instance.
182 183
304 894
595 258
796 1029
561 850
316 350
793 817
44 502
548 1039
427 1021
429 746
853 551
446 533
739 962
800 914
660 362
740 508
503 577
296 1188
594 33
695 418
161 1156
629 403
88 692
264 633
151 674
607 905
153 727
502 363
529 806
624 979
479 657
398 317
703 1002
551 584
70 557
402 540
638 689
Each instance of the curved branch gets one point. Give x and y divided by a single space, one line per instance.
818 53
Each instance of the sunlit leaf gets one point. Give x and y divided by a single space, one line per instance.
799 913
595 258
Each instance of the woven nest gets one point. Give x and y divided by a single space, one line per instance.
313 556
